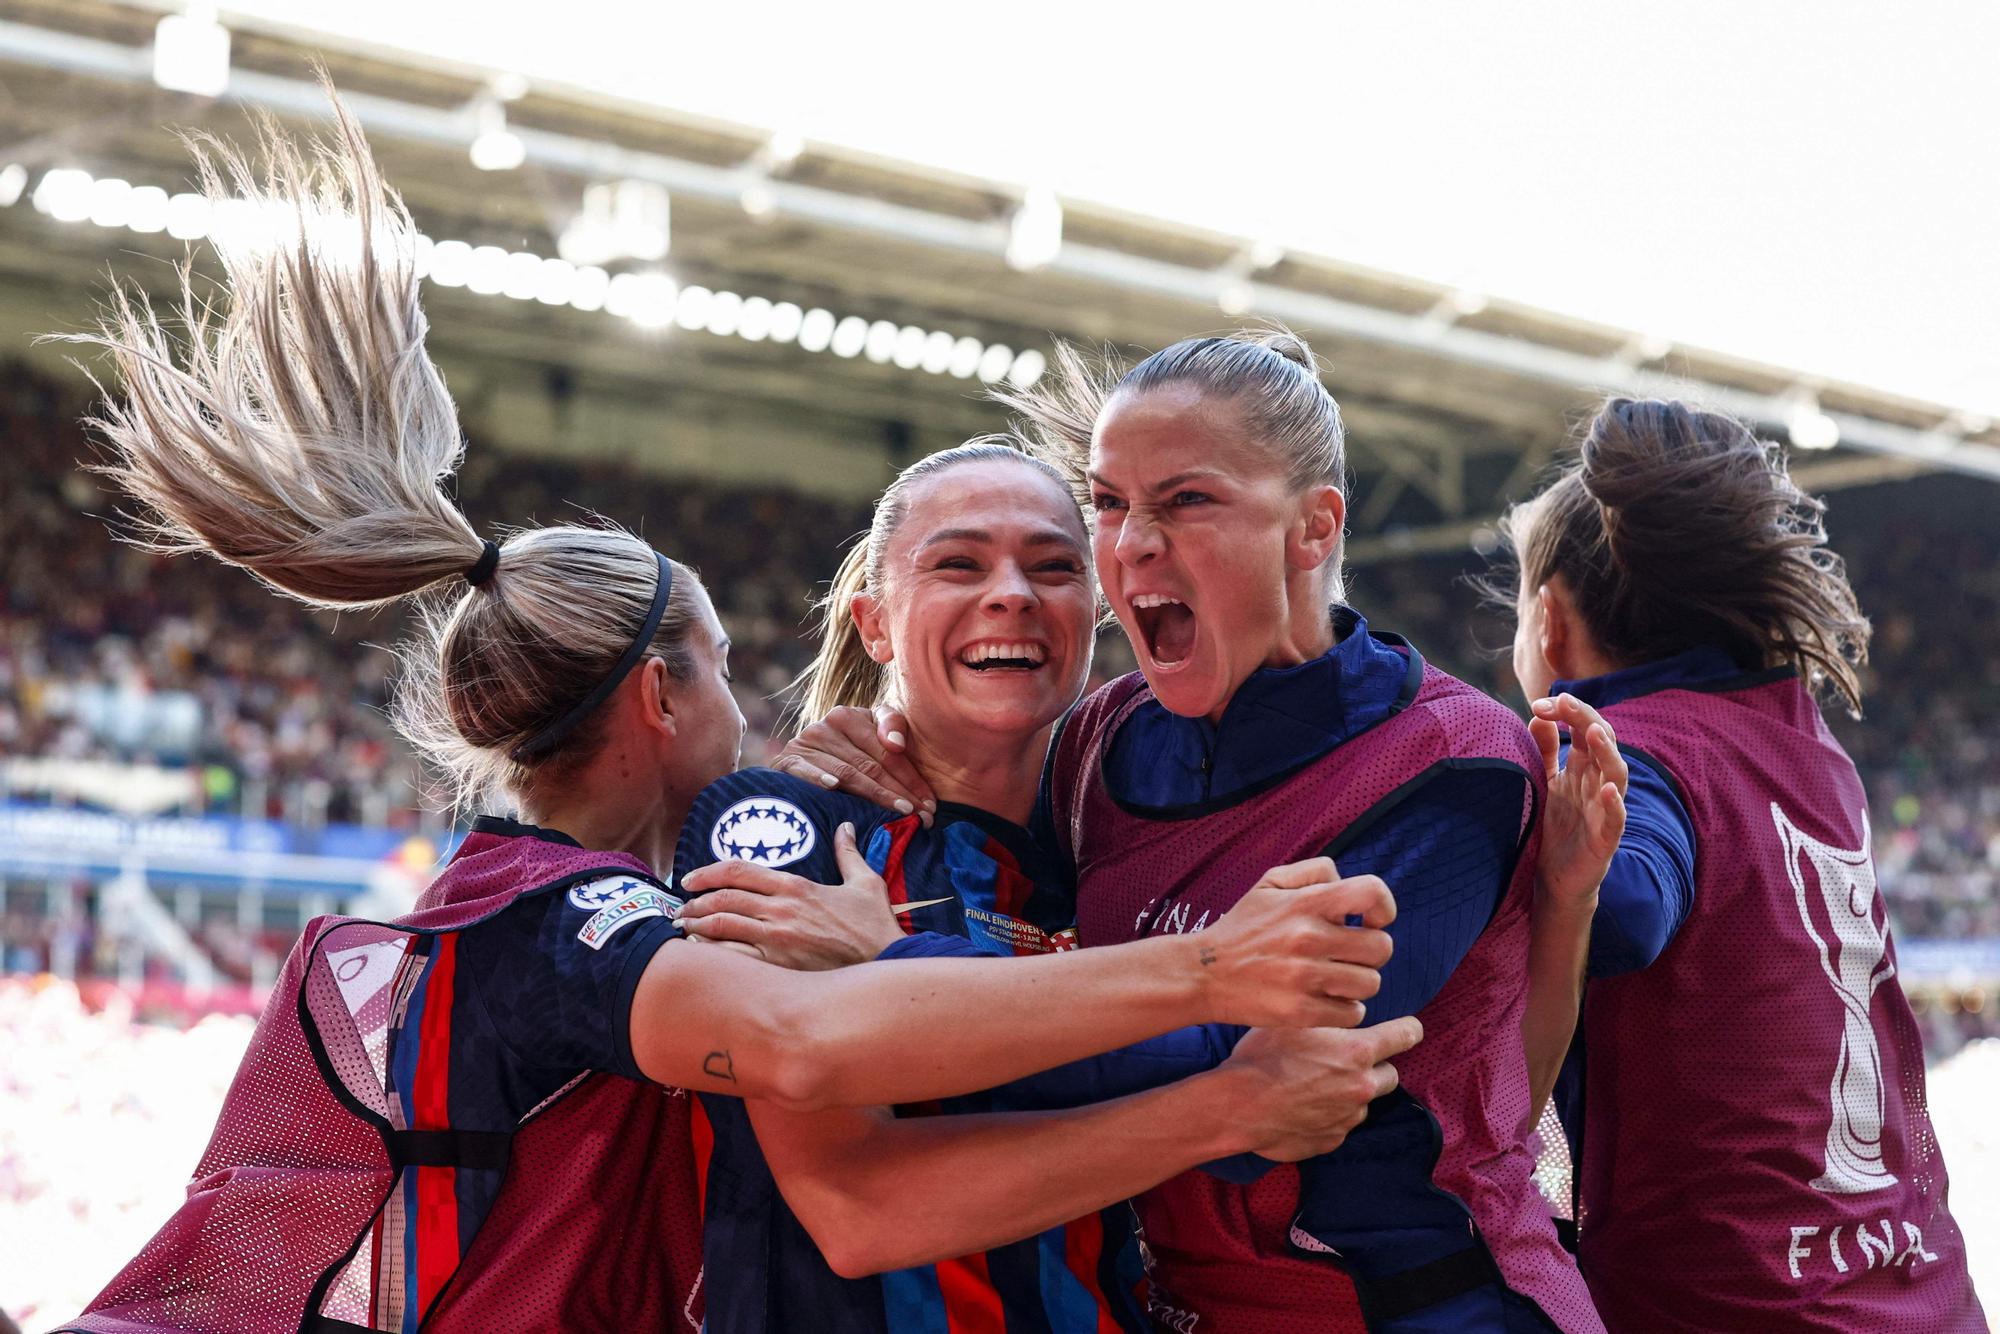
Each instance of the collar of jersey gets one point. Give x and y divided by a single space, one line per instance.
1701 666
1278 720
501 826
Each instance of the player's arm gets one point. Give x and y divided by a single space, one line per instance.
879 1192
911 1029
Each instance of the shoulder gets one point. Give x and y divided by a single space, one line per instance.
1084 726
1468 723
770 818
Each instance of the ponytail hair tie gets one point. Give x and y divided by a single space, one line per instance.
483 568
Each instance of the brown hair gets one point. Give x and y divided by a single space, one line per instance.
842 673
1676 527
305 436
1269 374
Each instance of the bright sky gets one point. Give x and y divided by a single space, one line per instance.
1814 183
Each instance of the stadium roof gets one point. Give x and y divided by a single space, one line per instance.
1453 401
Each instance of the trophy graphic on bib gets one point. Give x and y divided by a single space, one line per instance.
1856 961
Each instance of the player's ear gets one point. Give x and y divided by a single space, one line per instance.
656 701
873 625
1563 635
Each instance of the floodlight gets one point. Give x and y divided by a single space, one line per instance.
995 362
495 147
755 324
965 355
146 210
937 352
13 180
816 329
191 52
881 344
1035 234
909 349
1027 369
787 321
1809 427
64 194
850 336
187 216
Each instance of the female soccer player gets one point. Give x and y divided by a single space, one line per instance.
1280 723
971 603
1267 727
456 1119
1746 1102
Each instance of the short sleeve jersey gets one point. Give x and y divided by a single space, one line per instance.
985 882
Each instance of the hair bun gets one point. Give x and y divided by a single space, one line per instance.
1286 344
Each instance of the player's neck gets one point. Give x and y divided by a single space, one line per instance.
615 815
995 773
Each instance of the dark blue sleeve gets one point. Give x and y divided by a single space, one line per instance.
772 819
1649 888
1447 850
552 975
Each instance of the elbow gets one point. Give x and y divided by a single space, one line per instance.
855 1236
799 1064
855 1255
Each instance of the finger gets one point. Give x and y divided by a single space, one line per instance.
1347 981
897 770
1392 1038
728 926
1604 750
862 776
1340 1012
1360 900
892 727
735 874
1301 875
1549 741
735 901
853 866
791 762
1611 814
1383 1080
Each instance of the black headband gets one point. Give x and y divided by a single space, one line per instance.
483 568
546 740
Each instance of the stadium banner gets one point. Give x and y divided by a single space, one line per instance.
280 858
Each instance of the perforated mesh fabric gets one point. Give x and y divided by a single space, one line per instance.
599 1202
1222 1256
1755 1135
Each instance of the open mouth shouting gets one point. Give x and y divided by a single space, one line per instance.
1167 625
1004 656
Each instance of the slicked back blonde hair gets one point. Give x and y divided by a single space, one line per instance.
294 426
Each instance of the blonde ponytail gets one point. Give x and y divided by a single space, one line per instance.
305 435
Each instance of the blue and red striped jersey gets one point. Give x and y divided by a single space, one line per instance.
1006 895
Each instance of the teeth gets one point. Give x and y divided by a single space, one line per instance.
986 652
1156 600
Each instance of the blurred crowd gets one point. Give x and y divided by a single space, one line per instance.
110 653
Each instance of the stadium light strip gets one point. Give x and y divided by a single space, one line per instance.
649 300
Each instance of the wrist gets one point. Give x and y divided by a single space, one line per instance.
1214 1113
1185 969
1557 905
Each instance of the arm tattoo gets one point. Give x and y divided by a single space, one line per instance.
719 1065
1206 955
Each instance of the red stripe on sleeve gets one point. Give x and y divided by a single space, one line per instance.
1083 1248
436 1222
971 1306
703 1135
900 833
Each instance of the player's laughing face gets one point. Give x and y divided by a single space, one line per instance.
986 611
1208 555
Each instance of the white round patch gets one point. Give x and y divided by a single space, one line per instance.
765 831
600 893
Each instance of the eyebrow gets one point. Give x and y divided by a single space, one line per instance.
1165 483
1046 537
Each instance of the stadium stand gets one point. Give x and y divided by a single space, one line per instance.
168 692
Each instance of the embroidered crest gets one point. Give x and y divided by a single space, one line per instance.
643 902
765 831
599 893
